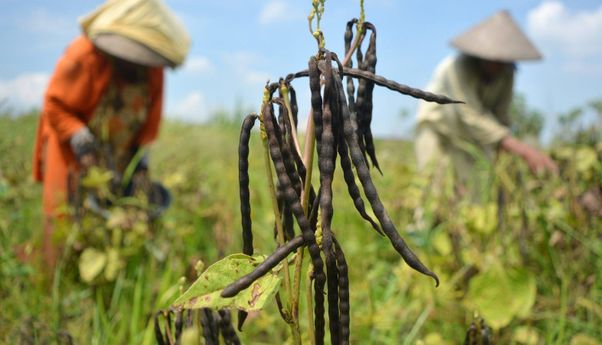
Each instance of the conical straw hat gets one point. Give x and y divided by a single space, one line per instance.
497 38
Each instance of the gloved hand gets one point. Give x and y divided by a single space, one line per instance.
83 144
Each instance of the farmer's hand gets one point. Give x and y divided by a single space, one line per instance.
83 144
537 161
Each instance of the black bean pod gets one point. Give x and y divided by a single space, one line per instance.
179 324
294 105
372 195
316 99
346 165
344 306
209 326
326 166
389 84
366 110
225 325
308 235
159 336
243 182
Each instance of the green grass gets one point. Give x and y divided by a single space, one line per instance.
390 304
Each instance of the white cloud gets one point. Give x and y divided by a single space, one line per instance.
277 11
193 107
255 77
41 20
24 91
562 30
242 63
198 64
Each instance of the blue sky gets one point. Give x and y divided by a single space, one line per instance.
238 44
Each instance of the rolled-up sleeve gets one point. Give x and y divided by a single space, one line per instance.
67 96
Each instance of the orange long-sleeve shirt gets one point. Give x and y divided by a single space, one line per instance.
78 83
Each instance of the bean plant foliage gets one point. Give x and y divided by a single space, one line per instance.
340 122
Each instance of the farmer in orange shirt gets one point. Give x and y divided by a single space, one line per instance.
106 90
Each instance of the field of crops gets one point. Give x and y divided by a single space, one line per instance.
530 270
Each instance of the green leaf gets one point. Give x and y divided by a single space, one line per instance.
524 287
91 263
500 295
205 291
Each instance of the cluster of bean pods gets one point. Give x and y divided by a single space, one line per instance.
170 324
342 130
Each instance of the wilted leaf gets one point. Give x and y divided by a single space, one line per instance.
205 291
91 263
583 339
500 295
525 335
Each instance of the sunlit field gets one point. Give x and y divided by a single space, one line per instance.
528 265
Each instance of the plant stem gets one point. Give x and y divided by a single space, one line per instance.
310 306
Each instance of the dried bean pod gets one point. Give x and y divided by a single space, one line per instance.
287 158
210 327
350 85
344 306
326 166
308 235
298 161
347 168
266 266
389 84
243 182
366 111
316 99
294 106
372 195
348 37
363 106
225 325
241 316
288 223
179 325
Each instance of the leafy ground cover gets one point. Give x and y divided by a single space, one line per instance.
533 277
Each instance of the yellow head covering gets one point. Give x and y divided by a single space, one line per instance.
148 22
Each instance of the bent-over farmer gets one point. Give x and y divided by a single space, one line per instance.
106 89
482 76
